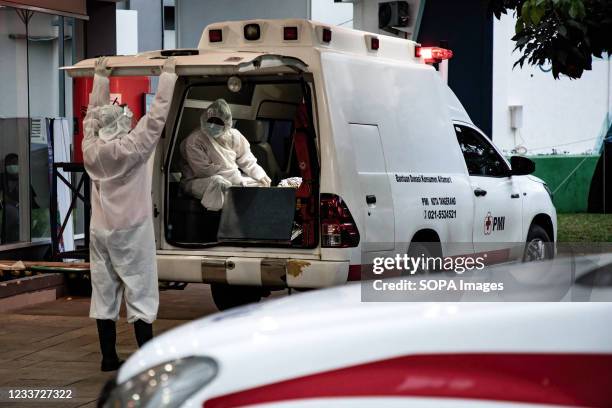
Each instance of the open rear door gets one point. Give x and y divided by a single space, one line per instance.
190 63
196 63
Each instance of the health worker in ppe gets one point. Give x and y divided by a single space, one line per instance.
216 157
122 241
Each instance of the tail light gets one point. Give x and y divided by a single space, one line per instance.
433 54
338 229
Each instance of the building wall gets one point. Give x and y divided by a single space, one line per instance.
194 15
470 39
565 115
149 24
326 11
100 29
128 30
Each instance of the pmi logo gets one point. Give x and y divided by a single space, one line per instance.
493 224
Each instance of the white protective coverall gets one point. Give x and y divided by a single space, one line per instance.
214 156
122 241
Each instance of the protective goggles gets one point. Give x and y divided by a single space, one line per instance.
216 121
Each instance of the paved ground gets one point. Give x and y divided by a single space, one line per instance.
55 344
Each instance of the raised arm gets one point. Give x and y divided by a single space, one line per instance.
122 154
146 134
100 95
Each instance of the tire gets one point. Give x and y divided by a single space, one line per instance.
538 246
425 250
228 296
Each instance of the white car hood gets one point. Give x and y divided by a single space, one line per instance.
333 328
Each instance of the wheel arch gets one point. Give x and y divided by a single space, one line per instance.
428 236
544 221
425 235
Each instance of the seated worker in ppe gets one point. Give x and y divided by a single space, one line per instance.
215 156
122 242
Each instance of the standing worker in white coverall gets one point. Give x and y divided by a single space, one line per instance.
122 241
215 156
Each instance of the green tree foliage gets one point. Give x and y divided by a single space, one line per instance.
564 33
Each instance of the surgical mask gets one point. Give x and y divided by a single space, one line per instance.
12 169
213 130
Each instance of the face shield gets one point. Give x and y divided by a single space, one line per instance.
115 121
217 119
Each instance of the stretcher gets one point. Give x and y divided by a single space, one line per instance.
44 267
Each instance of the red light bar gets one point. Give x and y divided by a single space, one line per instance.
433 54
290 33
327 35
215 36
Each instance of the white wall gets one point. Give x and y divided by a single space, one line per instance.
326 11
567 115
169 39
192 16
127 32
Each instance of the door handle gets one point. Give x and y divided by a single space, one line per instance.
371 199
479 192
516 195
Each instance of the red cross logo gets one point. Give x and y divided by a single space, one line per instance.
488 224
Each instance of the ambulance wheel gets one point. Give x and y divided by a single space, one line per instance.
538 246
424 250
228 296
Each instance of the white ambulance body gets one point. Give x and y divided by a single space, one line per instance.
391 156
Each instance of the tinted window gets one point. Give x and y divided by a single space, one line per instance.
480 156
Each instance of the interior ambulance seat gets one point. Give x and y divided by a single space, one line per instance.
256 132
189 222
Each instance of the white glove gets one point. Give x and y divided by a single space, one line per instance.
101 67
169 66
265 181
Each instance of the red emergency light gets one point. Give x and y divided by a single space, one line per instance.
215 35
290 33
327 35
433 54
375 43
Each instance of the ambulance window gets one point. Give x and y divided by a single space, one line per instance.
480 156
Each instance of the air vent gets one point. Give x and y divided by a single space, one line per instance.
38 133
393 15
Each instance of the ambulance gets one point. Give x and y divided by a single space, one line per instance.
383 156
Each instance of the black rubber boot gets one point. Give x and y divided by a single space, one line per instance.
143 331
107 333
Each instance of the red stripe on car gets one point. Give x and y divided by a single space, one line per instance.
561 379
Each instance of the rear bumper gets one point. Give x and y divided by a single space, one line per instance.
268 272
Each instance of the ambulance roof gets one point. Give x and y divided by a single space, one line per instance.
274 36
231 45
